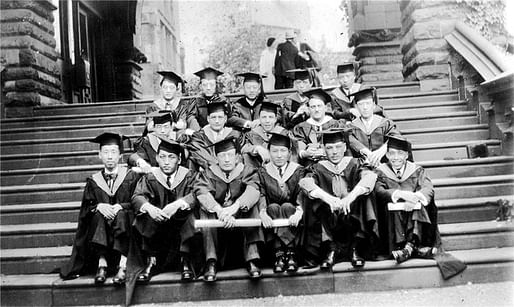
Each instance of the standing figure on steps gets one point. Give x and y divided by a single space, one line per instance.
102 235
163 203
226 191
339 214
412 226
279 191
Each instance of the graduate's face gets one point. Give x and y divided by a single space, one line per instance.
162 130
397 158
346 79
335 151
208 86
227 160
217 120
169 89
365 107
268 120
317 108
168 161
279 155
302 85
110 156
251 89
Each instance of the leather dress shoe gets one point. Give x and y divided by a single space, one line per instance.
120 277
146 275
210 271
101 275
329 261
279 265
357 260
187 271
291 265
253 270
403 254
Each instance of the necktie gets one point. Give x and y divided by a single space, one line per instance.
339 186
398 174
168 180
109 178
280 172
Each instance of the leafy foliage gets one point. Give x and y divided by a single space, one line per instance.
486 16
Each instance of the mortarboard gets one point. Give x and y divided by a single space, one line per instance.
300 74
269 106
226 145
208 72
279 139
398 142
160 117
364 93
346 67
334 135
170 146
251 76
169 75
109 138
217 107
319 94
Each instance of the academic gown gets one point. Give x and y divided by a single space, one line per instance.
213 186
242 112
341 103
421 222
258 137
145 147
373 138
201 103
92 226
305 134
290 106
184 110
278 191
202 152
338 181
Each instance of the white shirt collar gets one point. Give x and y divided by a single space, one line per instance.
114 171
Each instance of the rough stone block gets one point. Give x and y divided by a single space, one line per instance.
375 21
23 99
44 8
389 76
32 58
380 68
27 28
29 85
426 30
20 15
433 58
432 72
372 52
434 85
442 12
369 61
433 44
19 42
16 73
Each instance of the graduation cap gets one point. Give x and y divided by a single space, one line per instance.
169 75
318 93
279 139
346 67
217 107
365 92
226 145
251 76
300 74
109 138
334 135
208 72
398 142
269 106
170 146
160 117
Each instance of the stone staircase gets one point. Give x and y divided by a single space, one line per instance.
45 160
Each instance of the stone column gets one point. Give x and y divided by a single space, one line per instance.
425 51
31 74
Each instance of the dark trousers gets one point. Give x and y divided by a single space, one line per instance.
281 237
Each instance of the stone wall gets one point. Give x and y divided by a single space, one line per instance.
425 51
31 74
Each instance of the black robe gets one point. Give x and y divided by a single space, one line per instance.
341 103
145 147
290 106
259 137
201 147
93 228
200 103
242 112
373 138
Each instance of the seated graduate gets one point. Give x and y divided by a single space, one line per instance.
255 150
337 209
245 110
307 132
226 191
163 225
104 218
279 191
183 112
209 94
202 153
343 106
294 106
370 131
145 147
412 227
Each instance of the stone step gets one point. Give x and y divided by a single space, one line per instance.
41 193
484 265
489 166
395 87
475 235
379 60
53 159
38 260
414 97
394 76
448 134
39 213
437 120
37 235
451 150
64 174
71 131
429 110
380 68
465 187
473 209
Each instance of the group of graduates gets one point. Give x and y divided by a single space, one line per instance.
330 164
